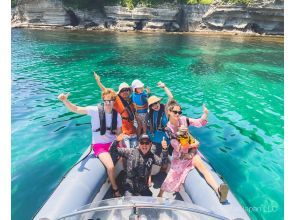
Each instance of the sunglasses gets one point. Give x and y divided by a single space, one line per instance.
155 103
125 90
108 101
144 142
177 112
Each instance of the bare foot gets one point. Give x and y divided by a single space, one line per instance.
116 193
159 194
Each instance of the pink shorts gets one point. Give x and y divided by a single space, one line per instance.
101 148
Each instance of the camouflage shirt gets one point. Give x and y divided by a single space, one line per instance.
139 166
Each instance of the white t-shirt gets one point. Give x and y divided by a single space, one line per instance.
95 122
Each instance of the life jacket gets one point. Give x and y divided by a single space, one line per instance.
102 119
158 126
126 109
172 135
140 102
186 141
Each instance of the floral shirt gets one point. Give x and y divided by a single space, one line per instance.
138 166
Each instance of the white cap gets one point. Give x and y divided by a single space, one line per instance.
137 84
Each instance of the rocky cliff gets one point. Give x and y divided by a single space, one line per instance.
40 12
266 17
267 20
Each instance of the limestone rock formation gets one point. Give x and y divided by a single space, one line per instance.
267 20
262 17
41 13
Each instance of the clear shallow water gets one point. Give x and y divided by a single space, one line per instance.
239 79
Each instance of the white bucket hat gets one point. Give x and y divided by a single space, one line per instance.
123 86
137 84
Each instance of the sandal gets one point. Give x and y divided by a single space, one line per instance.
223 192
116 193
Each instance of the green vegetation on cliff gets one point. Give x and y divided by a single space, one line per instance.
204 2
83 4
149 3
133 3
245 2
13 3
130 3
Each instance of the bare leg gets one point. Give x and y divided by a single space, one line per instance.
160 193
105 158
139 128
149 181
198 163
164 168
144 125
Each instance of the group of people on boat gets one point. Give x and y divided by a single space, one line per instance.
136 126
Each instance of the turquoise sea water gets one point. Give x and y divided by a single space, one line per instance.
239 79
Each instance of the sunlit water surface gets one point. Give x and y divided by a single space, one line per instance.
239 79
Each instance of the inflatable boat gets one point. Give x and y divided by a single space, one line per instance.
85 193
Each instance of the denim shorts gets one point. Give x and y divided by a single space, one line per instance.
130 141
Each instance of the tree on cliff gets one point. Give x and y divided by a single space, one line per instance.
133 3
13 3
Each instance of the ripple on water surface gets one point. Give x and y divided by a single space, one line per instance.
239 79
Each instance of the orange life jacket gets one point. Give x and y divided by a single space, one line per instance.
127 124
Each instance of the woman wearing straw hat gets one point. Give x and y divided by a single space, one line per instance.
157 122
157 119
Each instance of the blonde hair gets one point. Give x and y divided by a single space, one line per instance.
108 92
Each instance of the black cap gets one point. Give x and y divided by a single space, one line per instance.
144 136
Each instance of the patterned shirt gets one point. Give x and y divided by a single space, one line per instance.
138 166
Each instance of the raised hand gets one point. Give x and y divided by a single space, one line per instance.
163 143
160 84
205 110
63 97
148 89
96 76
